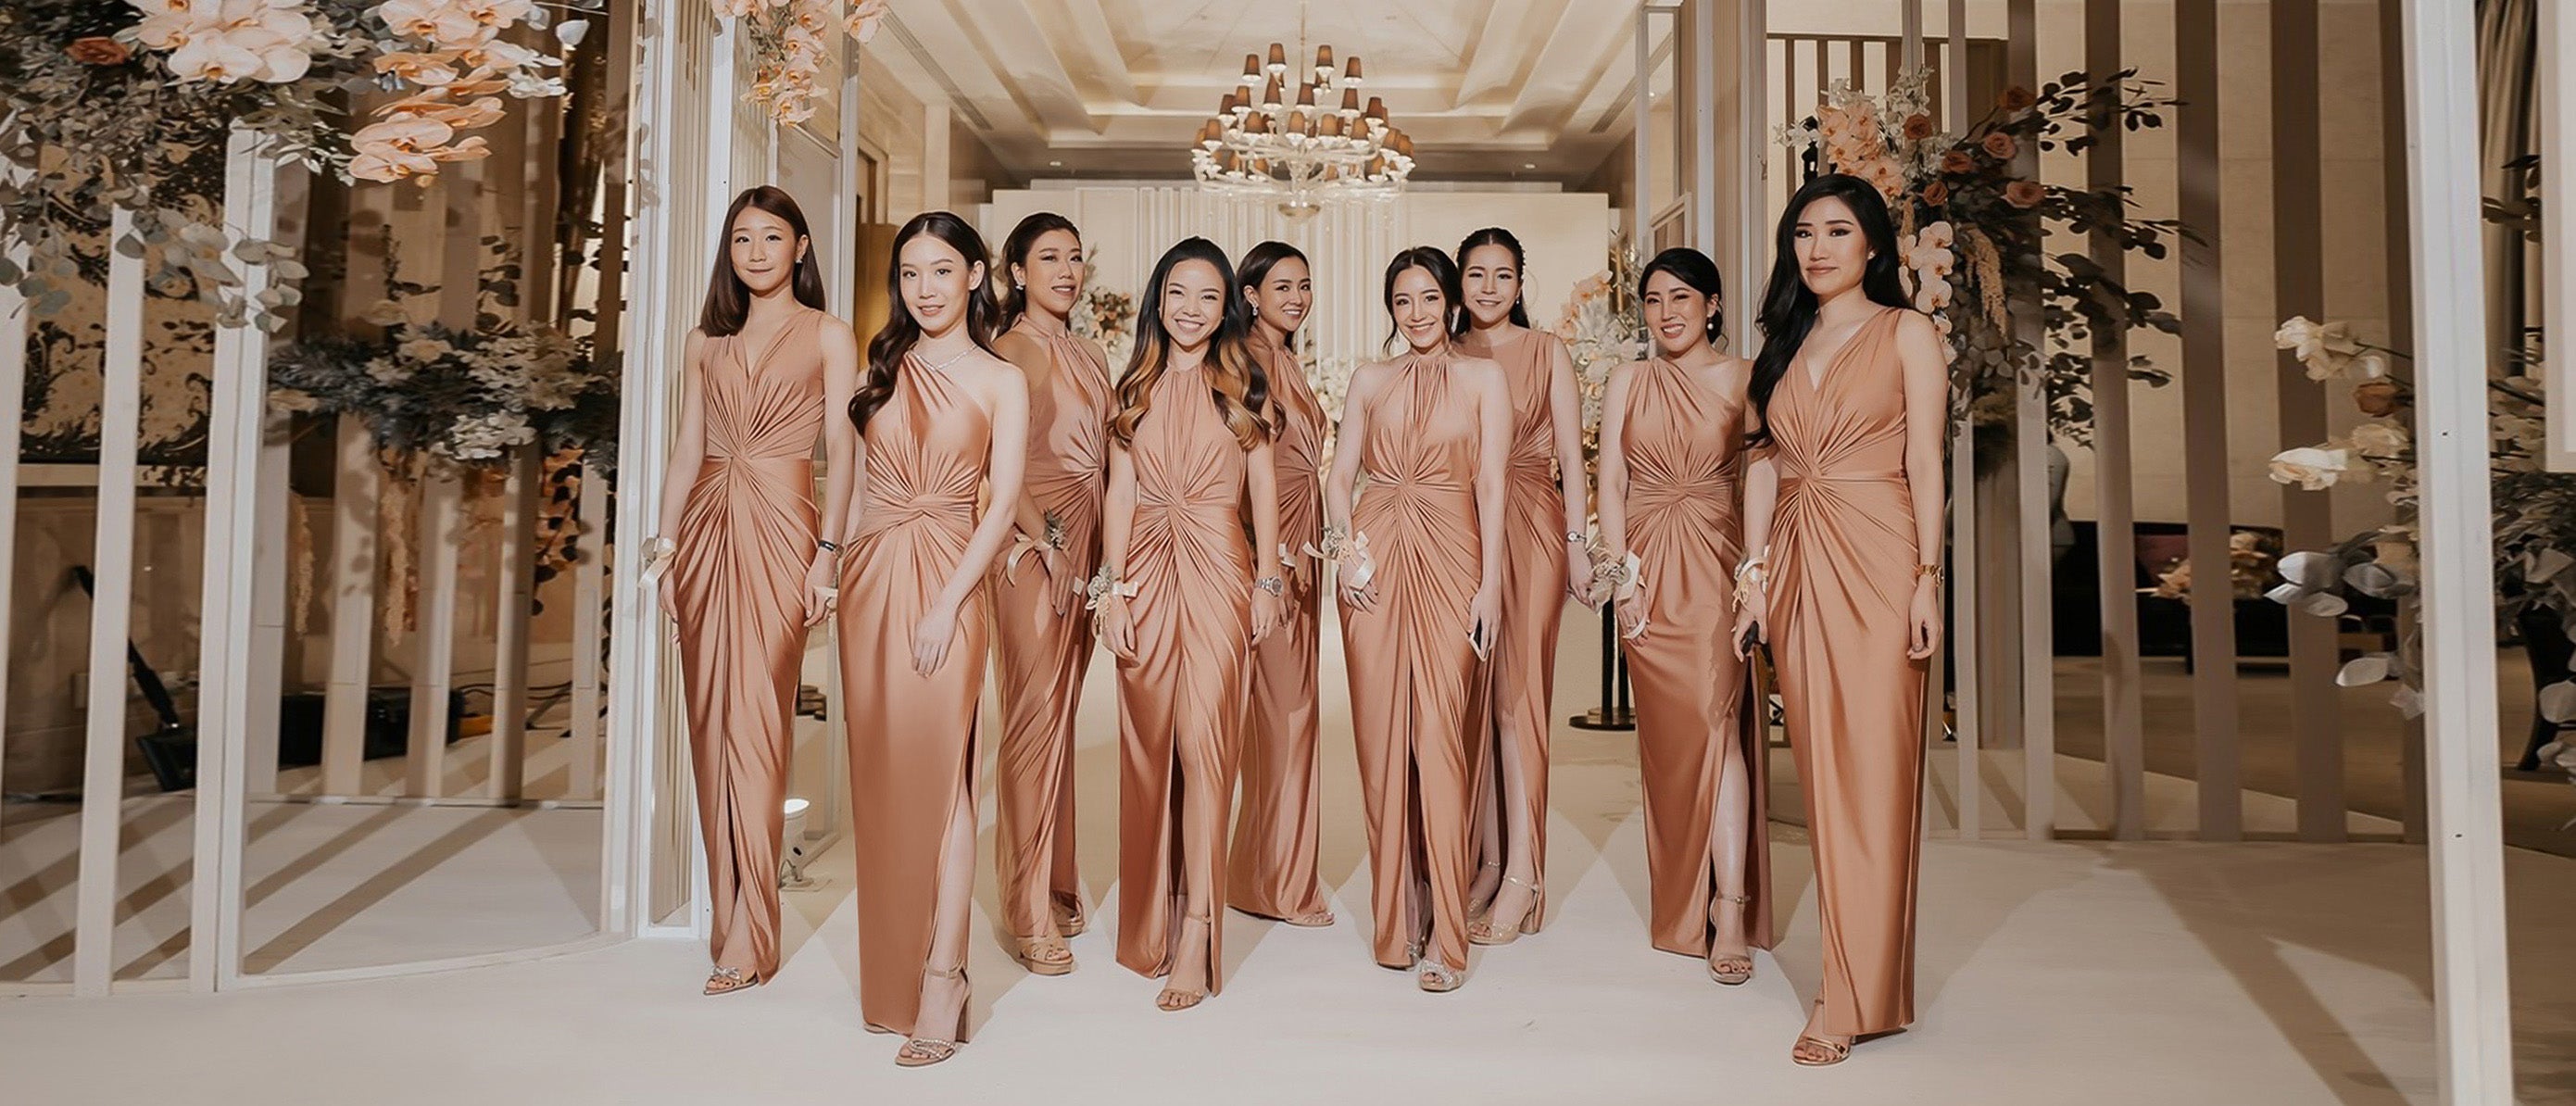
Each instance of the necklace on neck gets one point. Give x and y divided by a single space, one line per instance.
944 362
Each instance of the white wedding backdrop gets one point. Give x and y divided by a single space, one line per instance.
567 826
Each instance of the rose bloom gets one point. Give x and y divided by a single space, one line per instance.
1918 127
1936 193
1958 161
99 50
2000 145
2025 193
2016 98
2376 397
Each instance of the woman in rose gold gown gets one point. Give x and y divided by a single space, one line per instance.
1843 508
1672 436
1182 607
1419 565
1276 829
748 573
1042 629
943 429
1545 507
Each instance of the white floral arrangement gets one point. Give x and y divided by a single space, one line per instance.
1106 316
789 38
1603 327
2535 510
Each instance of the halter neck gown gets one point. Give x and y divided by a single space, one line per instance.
1414 674
1181 699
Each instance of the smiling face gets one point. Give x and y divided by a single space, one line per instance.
1284 295
1832 252
1490 282
1676 314
1421 309
935 281
764 250
1051 275
1193 303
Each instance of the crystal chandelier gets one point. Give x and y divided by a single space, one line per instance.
1293 148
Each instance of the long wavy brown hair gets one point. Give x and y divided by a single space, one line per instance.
887 351
1236 382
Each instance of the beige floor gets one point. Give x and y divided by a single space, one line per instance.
2050 973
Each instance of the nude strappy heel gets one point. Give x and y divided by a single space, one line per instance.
921 1052
1733 971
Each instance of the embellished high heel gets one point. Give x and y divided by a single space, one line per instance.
921 1052
725 981
1435 977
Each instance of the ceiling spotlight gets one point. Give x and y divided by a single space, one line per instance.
1055 165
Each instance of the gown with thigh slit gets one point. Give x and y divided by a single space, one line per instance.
1275 833
1181 698
1522 674
1843 583
912 737
1041 654
1683 445
1413 669
746 537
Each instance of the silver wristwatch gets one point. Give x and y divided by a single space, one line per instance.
1272 584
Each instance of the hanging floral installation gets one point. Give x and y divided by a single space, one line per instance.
1975 232
789 37
105 104
1106 316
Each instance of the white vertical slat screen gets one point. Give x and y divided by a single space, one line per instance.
1967 676
2204 387
13 398
2115 528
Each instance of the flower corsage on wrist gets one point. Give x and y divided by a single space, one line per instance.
1753 575
1105 586
1621 578
657 559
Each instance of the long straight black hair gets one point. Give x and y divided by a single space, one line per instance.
728 298
1444 272
1497 236
886 352
1789 306
1237 383
1015 253
1692 268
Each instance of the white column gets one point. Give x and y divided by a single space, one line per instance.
120 421
2473 1033
237 418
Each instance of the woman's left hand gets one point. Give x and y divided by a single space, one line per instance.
1265 615
931 638
1484 620
1926 631
822 590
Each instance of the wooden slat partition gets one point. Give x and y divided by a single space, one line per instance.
2299 288
2115 498
2204 386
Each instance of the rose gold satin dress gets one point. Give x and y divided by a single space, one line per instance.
1683 445
1275 831
1043 654
1843 583
1522 675
1181 699
912 738
746 538
1414 673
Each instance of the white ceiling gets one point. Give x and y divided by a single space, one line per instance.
1118 87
